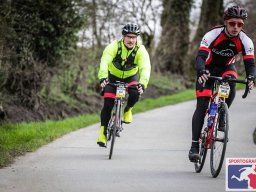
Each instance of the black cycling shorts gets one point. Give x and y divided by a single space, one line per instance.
215 71
110 91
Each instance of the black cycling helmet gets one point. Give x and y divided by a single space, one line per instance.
235 12
131 28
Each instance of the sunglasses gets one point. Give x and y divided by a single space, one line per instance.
131 37
233 24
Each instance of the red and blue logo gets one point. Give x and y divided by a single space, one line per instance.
241 174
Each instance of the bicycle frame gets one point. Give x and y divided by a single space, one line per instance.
216 99
118 107
115 122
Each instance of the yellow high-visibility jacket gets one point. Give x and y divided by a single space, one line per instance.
141 64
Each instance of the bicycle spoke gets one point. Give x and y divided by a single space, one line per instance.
218 150
220 137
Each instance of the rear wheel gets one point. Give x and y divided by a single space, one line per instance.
202 152
220 139
202 148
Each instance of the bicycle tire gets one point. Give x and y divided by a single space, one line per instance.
202 149
113 132
203 153
219 143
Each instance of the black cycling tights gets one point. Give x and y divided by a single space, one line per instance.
201 107
109 104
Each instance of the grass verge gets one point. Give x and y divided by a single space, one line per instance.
17 139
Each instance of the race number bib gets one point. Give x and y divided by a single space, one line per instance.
224 91
120 92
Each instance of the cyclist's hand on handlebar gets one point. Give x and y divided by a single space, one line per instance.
104 82
140 88
203 76
250 82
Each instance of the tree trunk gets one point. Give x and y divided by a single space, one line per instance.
172 50
94 23
211 15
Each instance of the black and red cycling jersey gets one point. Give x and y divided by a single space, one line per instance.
218 50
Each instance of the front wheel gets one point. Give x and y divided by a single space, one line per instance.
114 129
113 138
219 140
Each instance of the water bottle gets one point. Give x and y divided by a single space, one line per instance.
212 112
213 109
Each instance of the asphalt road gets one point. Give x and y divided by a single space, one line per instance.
150 156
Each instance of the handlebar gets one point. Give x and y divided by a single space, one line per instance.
117 84
231 80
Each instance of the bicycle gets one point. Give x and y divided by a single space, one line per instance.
214 136
114 127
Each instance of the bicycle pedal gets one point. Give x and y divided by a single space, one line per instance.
195 160
118 133
108 136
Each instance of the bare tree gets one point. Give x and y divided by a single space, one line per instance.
104 22
146 13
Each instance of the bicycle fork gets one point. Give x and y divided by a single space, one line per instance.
112 121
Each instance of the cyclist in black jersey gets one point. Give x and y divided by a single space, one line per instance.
217 53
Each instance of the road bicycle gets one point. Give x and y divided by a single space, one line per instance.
115 127
215 134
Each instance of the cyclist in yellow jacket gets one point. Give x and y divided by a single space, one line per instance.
124 60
